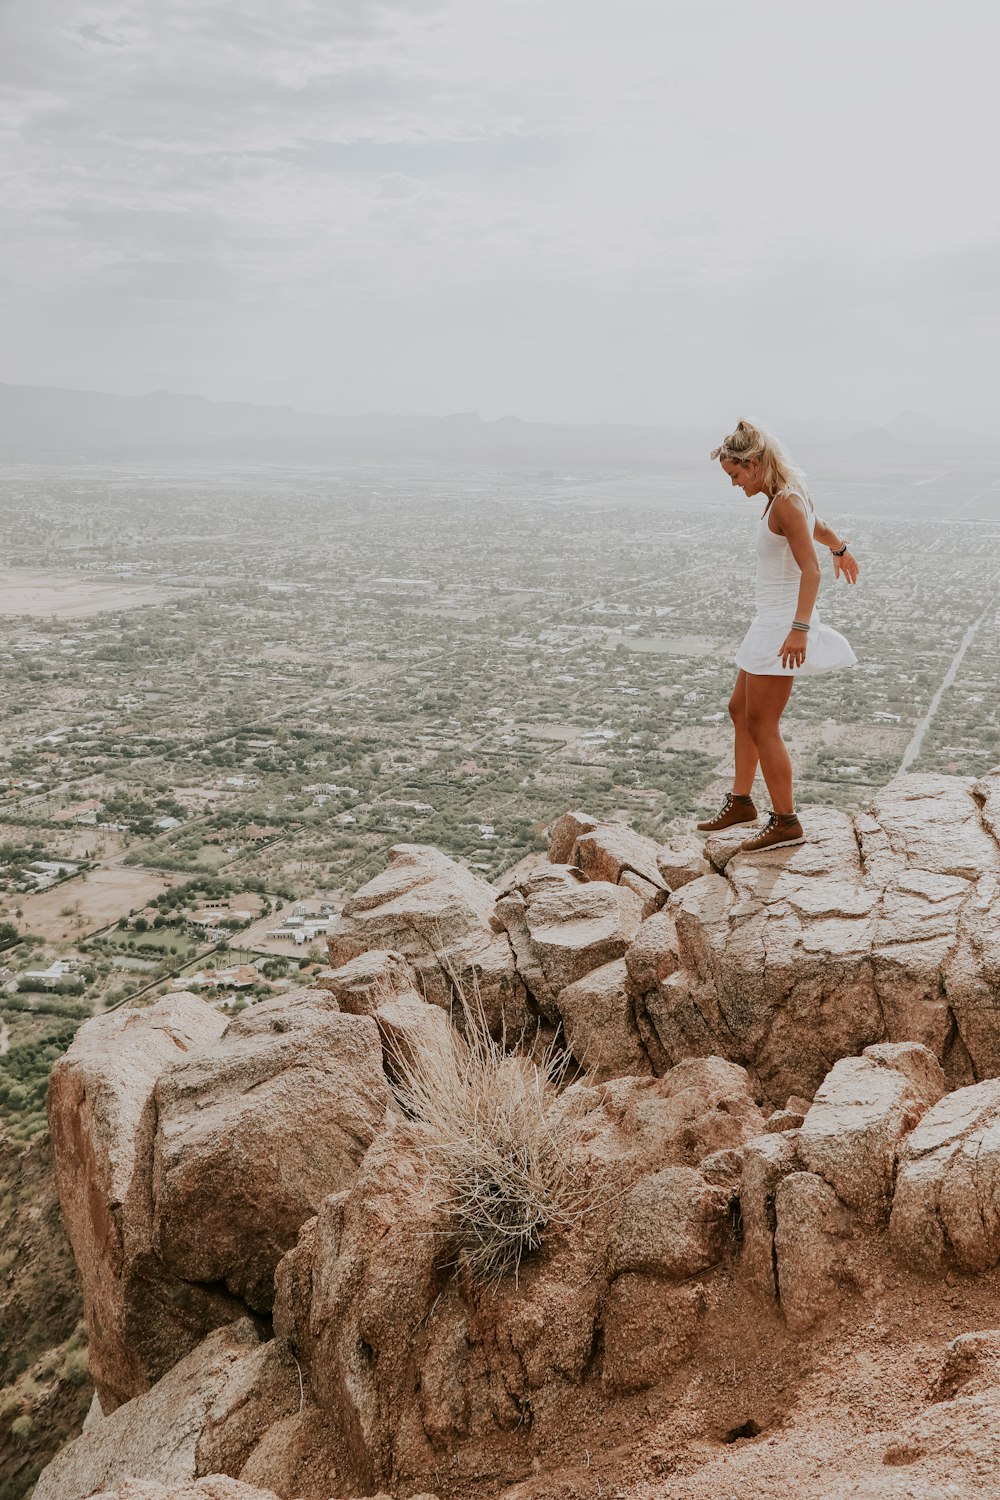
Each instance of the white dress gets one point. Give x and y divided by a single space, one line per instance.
778 577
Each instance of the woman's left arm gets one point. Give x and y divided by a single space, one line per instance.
798 533
844 566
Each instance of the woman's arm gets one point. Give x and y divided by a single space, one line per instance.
844 566
793 525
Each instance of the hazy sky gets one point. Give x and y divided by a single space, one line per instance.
647 210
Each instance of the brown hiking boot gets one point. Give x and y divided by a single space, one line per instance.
779 832
733 810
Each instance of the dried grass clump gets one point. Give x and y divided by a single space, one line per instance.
493 1141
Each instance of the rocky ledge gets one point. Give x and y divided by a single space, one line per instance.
786 1117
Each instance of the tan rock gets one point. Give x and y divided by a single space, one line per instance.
811 1243
102 1117
672 1223
970 1363
599 1022
253 1133
681 861
863 1110
629 1127
376 1258
612 850
649 1329
965 1431
652 896
564 833
212 1406
946 1205
212 1487
884 929
410 1028
366 982
652 956
784 1119
436 914
767 1159
560 930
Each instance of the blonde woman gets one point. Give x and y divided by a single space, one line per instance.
786 638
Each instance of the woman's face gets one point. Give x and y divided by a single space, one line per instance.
746 477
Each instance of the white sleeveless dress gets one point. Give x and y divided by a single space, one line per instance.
778 576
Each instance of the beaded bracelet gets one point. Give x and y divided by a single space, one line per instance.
799 625
840 553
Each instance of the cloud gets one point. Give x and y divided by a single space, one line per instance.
567 209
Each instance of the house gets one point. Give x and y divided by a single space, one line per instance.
242 977
59 969
79 812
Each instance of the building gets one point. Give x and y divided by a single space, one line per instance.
59 969
243 977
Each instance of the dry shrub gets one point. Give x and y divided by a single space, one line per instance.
494 1141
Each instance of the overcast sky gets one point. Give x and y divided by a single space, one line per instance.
648 210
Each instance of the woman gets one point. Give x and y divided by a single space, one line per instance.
786 638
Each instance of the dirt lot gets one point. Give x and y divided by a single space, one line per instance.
69 842
102 895
71 596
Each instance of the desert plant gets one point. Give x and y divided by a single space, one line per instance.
494 1140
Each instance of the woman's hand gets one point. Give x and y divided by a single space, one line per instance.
793 649
846 567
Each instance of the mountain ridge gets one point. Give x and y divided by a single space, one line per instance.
56 418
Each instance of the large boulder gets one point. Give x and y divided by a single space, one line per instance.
364 983
863 1110
435 913
189 1150
672 1223
613 850
102 1116
813 1243
598 1015
881 928
413 1360
253 1132
205 1416
560 929
946 1206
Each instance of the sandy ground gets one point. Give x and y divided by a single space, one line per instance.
70 596
826 1406
103 896
70 842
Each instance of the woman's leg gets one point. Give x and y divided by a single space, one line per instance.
765 703
745 749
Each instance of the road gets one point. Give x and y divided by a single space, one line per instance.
913 748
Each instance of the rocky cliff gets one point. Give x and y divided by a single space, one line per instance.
781 1118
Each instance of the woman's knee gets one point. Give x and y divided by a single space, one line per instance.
738 709
761 726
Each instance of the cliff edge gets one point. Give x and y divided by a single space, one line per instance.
781 1114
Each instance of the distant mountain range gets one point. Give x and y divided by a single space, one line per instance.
42 419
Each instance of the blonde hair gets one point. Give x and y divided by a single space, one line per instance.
748 442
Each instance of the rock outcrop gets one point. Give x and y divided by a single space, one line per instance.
189 1151
884 927
786 1112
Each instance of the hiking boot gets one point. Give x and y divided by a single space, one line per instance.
780 831
733 810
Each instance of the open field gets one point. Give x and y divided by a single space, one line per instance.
95 901
72 596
